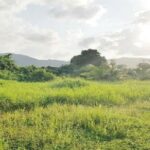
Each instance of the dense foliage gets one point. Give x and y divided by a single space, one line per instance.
74 114
89 56
9 70
6 63
89 65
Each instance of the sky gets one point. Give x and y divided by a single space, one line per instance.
60 29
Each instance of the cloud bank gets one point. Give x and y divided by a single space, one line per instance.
19 35
130 41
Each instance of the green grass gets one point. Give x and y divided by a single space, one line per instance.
74 114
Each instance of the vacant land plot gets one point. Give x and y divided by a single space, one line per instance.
74 114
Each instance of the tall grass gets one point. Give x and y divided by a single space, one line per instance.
75 127
15 95
74 114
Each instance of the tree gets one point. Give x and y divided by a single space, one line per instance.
41 75
66 69
143 71
90 56
6 63
31 73
9 70
144 66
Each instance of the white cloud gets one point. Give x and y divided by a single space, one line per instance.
14 5
20 36
17 35
77 10
131 41
143 17
73 9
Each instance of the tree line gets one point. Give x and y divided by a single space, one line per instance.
89 65
9 70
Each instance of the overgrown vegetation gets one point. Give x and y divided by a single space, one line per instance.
74 114
9 70
108 111
89 65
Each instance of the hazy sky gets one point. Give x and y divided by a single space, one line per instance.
59 29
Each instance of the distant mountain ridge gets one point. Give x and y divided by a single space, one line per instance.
131 62
23 60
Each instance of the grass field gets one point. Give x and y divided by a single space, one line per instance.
74 114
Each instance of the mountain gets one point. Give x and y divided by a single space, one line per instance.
23 60
130 62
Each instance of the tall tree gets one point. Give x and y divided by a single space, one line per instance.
6 63
90 56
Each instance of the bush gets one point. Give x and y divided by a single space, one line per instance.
7 75
37 75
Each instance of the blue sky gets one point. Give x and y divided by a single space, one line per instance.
59 29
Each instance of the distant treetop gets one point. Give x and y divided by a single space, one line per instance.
90 56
